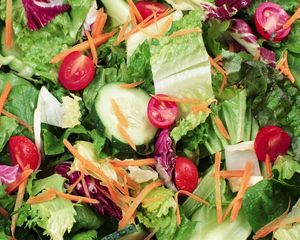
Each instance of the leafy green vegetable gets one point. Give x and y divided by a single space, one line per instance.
294 64
208 227
186 228
292 42
160 215
7 128
6 201
88 235
263 202
285 167
117 10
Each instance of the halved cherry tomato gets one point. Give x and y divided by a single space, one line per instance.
147 8
269 18
271 140
24 152
186 174
162 114
76 72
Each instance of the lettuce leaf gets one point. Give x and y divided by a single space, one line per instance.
285 167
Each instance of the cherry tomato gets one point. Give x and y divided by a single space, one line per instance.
271 140
24 152
186 174
76 72
162 114
147 8
269 18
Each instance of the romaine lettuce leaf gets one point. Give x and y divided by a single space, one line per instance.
7 128
285 167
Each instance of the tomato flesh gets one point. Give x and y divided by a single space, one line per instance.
186 174
24 152
162 114
76 72
269 18
147 8
271 140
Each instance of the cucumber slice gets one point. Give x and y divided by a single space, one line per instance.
133 103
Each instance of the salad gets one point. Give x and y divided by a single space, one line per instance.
168 119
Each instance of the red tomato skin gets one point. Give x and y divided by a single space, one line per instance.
269 18
186 174
162 114
24 152
146 8
271 140
76 72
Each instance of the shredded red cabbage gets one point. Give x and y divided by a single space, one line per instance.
40 12
268 57
165 157
8 174
96 191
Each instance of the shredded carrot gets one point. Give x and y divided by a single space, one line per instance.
288 221
136 12
18 120
292 19
4 95
218 186
22 178
122 32
203 107
99 25
257 56
46 196
72 187
152 200
162 31
9 25
132 208
283 67
220 70
272 226
131 85
4 213
76 198
119 186
141 162
89 166
133 19
193 196
174 99
92 47
236 203
151 235
183 32
218 58
126 186
121 173
97 21
85 188
18 204
232 173
268 166
221 128
83 46
119 114
155 18
126 137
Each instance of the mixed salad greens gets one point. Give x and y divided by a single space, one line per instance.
175 119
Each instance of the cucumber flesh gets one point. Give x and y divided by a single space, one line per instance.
133 104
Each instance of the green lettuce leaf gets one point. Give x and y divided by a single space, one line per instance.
88 235
55 217
7 128
294 64
285 167
160 215
6 201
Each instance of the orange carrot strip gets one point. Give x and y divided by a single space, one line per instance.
122 32
4 95
46 196
231 47
92 47
151 200
223 85
221 128
133 19
85 188
131 85
22 178
292 19
126 186
126 137
83 46
272 226
141 162
151 235
177 100
8 25
71 187
119 114
100 23
97 21
283 67
135 11
268 166
18 204
218 186
76 198
4 213
132 208
232 173
257 56
203 107
88 165
18 120
183 32
222 71
289 220
119 186
218 58
121 173
193 196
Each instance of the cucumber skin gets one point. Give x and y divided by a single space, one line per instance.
125 151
